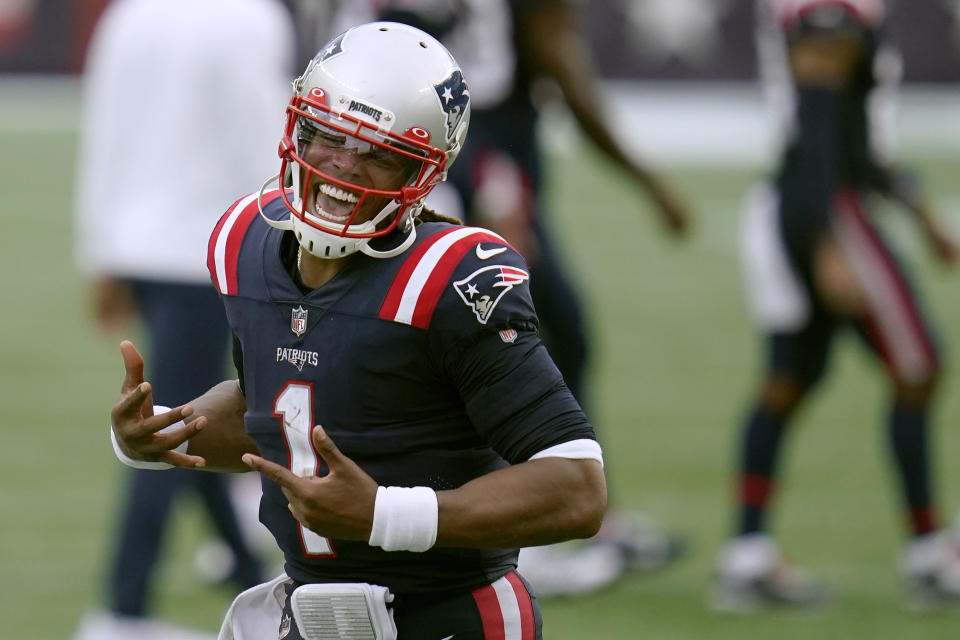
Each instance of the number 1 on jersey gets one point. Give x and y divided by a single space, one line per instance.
294 407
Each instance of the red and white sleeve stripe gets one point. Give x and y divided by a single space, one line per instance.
419 283
223 250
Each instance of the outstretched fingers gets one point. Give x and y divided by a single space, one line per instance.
280 475
168 441
128 407
133 377
178 459
133 364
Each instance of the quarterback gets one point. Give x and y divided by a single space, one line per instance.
448 438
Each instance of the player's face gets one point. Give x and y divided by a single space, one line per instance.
344 157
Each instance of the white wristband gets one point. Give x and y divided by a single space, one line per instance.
404 519
145 464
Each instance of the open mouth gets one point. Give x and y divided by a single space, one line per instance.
333 203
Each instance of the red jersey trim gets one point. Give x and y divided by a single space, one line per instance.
528 627
490 614
223 249
506 609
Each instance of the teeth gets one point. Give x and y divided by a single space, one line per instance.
340 197
338 194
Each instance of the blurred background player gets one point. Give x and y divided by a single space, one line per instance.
816 261
154 172
510 49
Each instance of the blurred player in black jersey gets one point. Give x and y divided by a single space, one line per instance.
817 262
507 48
448 437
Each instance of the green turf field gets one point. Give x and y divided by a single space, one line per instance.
675 360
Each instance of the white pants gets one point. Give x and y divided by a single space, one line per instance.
255 613
776 299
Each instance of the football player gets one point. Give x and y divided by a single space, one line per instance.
817 262
448 436
507 49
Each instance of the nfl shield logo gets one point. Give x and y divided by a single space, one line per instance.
298 320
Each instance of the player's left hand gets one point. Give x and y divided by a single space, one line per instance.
337 505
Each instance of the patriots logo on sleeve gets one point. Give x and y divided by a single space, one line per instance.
483 289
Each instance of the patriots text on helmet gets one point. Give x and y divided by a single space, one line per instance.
365 109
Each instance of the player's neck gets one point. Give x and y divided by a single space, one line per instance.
316 272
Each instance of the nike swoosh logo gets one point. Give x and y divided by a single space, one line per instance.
447 638
486 254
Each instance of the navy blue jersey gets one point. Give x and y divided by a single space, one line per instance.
831 150
426 369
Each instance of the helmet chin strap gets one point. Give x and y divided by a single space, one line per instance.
403 246
283 225
407 226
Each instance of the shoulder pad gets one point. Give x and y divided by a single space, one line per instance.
427 270
223 248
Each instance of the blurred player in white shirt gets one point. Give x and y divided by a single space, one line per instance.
154 170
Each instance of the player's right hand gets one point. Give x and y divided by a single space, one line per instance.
338 505
113 303
675 217
673 211
137 428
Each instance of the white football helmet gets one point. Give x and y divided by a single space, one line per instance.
375 122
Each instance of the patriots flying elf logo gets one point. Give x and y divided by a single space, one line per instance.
454 98
333 48
483 289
